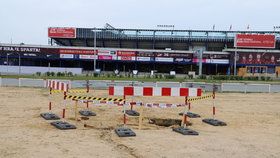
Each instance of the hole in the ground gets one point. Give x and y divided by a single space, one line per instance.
166 122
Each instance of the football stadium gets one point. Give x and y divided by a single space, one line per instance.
144 50
169 79
88 114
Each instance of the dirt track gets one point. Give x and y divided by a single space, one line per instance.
253 128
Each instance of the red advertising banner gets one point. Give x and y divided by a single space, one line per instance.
62 32
76 51
105 57
126 53
258 58
254 41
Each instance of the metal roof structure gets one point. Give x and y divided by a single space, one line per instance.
155 38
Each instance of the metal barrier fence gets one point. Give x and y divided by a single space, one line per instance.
103 84
245 87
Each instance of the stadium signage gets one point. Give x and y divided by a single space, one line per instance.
143 58
30 54
254 41
180 55
62 32
20 49
76 51
213 59
126 58
67 56
105 57
160 59
145 54
182 60
218 61
258 58
126 53
162 54
88 56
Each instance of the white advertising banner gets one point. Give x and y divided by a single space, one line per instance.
88 56
143 58
160 59
67 56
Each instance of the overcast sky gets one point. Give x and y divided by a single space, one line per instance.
27 20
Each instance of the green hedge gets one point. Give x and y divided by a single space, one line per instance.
238 78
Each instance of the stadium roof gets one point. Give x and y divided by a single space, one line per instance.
164 34
151 38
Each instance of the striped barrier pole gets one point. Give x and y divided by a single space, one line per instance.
64 105
87 93
184 119
214 96
124 114
50 102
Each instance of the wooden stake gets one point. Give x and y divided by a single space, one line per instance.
63 113
183 118
50 106
76 110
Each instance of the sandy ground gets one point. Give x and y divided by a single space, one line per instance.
253 128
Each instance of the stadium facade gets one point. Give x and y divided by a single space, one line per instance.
145 50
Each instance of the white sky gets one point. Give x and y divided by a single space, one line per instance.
27 20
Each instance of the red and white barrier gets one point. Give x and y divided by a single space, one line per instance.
154 91
101 102
153 105
57 85
163 105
